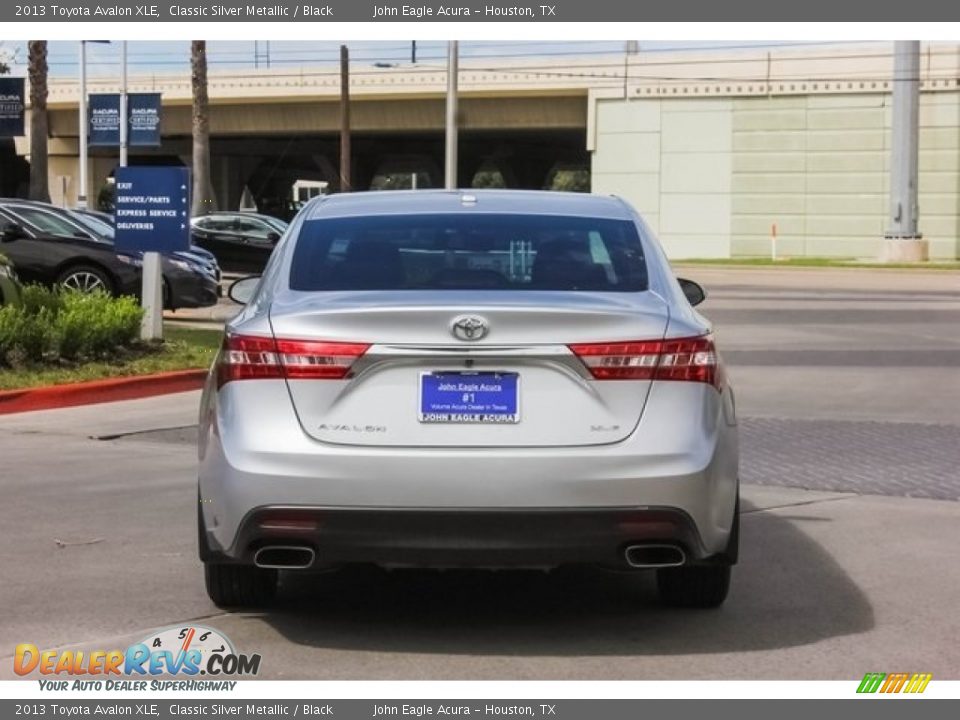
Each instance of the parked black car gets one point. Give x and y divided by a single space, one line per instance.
49 246
242 242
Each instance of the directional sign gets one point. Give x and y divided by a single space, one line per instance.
153 209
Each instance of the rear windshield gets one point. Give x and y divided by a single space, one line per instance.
469 251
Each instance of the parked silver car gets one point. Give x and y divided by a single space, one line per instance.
468 379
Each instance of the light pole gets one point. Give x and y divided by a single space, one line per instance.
124 125
451 147
82 197
82 111
903 242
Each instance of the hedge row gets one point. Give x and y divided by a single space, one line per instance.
51 326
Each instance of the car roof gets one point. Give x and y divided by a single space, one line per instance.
234 214
405 202
24 201
47 206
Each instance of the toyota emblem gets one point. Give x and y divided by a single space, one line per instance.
469 327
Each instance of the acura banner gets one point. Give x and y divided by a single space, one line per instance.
12 102
143 117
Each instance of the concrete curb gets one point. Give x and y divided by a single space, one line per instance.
99 391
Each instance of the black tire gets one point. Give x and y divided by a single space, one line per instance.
85 278
732 554
239 585
702 586
696 586
203 547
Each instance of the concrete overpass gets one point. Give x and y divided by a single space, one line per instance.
272 127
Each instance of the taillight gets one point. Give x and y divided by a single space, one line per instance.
251 357
320 360
247 357
693 359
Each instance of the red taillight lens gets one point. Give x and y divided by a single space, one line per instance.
692 359
250 357
312 359
247 357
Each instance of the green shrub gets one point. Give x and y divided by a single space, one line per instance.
26 338
62 325
37 297
95 324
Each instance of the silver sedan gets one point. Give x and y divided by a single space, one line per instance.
468 379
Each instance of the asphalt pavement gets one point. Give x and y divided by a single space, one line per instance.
848 389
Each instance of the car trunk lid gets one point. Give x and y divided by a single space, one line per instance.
412 385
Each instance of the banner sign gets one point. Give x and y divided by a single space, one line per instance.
12 102
152 210
143 113
104 127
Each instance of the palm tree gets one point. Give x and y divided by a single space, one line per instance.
37 71
203 197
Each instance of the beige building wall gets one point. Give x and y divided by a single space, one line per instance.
671 160
713 175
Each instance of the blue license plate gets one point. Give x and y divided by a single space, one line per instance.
459 397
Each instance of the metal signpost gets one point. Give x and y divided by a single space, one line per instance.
152 217
450 162
124 112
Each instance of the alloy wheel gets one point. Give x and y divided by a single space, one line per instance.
83 281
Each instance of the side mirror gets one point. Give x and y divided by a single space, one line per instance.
240 291
273 238
694 293
12 232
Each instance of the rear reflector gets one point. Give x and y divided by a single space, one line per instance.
252 357
693 359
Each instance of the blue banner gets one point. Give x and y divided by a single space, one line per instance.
12 102
153 209
104 114
144 114
143 118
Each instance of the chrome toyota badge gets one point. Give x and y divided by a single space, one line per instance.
469 327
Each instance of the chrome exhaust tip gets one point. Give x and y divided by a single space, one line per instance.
284 557
654 556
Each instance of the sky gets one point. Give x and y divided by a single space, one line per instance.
174 56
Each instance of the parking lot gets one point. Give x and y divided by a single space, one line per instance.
848 390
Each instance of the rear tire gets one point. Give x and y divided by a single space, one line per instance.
702 586
239 585
696 586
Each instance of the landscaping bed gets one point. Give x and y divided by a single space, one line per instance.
61 337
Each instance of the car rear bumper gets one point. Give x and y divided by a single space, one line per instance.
461 537
478 506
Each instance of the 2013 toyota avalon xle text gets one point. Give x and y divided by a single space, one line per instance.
468 379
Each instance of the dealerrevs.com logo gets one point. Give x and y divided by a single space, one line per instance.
179 651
